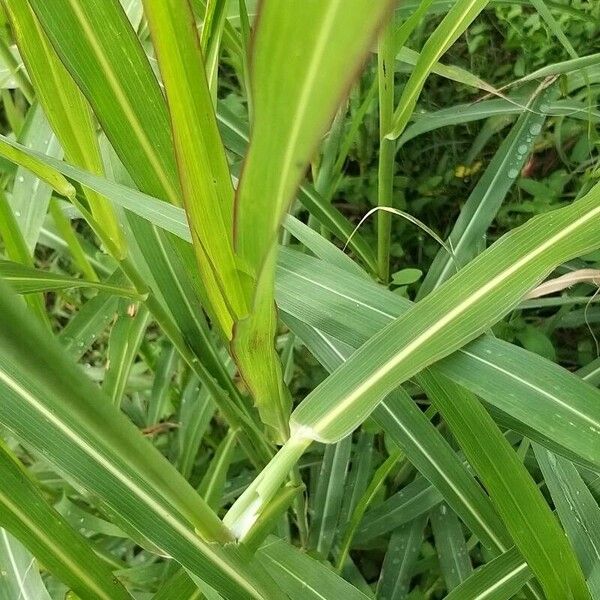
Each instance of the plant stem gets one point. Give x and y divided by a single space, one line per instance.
251 504
385 176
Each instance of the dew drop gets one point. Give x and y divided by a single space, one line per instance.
20 179
513 173
522 149
535 129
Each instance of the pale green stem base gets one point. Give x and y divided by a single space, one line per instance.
249 506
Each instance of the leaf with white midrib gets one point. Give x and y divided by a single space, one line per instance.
376 307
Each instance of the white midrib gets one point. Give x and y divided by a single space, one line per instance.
56 550
125 104
157 508
346 402
496 585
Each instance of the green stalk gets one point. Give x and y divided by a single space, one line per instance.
252 504
385 174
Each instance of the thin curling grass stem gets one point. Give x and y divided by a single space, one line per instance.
385 175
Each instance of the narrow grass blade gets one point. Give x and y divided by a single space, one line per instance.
460 114
14 66
28 516
459 17
328 496
358 479
320 246
568 66
554 26
332 39
64 228
486 198
123 345
30 196
513 492
13 152
203 170
500 579
407 59
387 148
90 321
302 577
450 546
210 40
166 366
578 511
362 505
414 500
113 77
15 248
400 558
213 483
26 280
196 412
